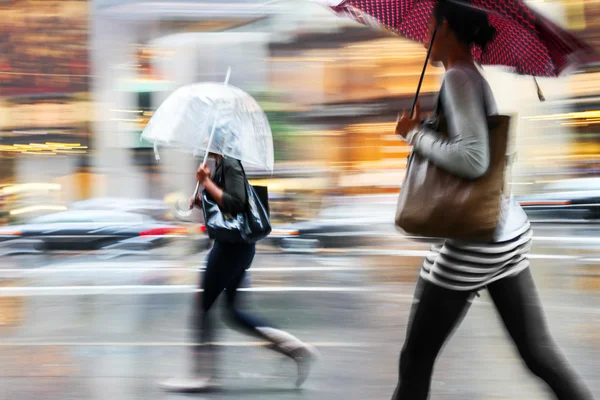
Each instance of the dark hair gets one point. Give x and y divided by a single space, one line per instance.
470 24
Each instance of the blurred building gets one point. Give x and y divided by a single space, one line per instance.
339 80
44 106
350 88
75 120
186 42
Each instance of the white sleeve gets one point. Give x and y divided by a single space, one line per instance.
465 152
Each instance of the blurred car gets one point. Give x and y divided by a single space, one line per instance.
88 230
154 208
572 199
351 223
369 220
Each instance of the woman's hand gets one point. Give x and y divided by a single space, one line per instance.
192 202
405 123
203 174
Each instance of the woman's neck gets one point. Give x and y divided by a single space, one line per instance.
460 57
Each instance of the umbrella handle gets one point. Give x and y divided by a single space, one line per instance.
186 213
214 125
416 99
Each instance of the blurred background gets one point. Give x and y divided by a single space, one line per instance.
97 271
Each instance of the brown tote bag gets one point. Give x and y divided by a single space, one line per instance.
435 203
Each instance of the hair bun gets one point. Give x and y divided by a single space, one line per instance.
470 24
483 35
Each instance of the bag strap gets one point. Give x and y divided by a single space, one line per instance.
243 170
223 181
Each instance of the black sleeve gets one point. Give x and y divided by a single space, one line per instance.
234 195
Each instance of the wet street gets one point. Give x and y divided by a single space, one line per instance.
83 327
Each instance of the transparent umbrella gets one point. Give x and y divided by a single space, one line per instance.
213 118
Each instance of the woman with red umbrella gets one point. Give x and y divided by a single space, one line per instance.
446 285
459 36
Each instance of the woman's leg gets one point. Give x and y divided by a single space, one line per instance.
282 342
435 313
519 306
242 321
214 281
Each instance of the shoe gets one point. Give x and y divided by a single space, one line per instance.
193 384
304 355
203 378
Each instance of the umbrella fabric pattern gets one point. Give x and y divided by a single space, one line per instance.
526 42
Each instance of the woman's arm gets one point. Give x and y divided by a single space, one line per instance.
466 152
233 200
215 192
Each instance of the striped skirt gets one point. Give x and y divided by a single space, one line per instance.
470 267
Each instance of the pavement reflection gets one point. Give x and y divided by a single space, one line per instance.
83 328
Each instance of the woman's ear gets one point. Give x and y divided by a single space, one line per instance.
443 29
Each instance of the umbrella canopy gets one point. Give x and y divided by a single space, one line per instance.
192 114
526 42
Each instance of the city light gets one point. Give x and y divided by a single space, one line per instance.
40 207
28 187
45 148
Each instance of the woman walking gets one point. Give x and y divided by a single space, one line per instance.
225 271
455 271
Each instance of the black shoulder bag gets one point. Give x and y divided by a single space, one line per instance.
248 226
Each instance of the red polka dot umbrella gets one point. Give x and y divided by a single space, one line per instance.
526 42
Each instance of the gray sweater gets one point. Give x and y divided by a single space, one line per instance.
467 96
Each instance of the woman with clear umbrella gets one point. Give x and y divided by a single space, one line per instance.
225 271
229 126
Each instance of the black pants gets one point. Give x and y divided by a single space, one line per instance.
438 311
225 271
